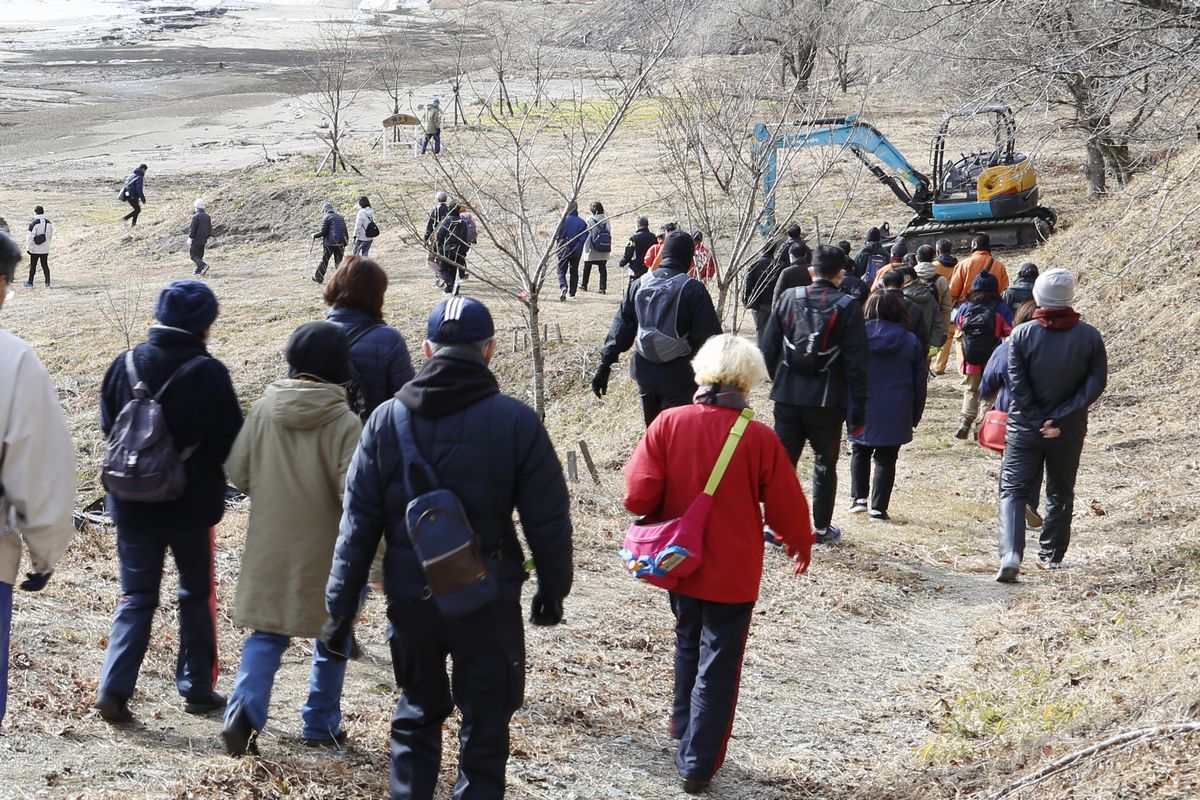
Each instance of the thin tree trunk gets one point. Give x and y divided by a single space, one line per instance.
538 356
1095 170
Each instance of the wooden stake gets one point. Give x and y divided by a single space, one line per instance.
516 331
572 467
587 459
558 328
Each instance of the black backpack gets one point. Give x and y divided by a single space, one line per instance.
656 303
356 398
601 238
979 337
142 463
372 230
808 345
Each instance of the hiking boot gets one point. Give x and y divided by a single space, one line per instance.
317 280
562 296
214 702
113 709
239 734
858 506
692 786
830 535
964 430
1010 567
336 741
1032 518
1053 566
28 284
879 516
771 539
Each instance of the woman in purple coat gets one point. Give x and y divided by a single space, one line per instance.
896 379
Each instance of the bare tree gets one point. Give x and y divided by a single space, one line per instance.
335 83
502 56
392 59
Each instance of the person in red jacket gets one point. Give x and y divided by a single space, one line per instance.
713 605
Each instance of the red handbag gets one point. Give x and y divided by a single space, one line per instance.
992 430
664 552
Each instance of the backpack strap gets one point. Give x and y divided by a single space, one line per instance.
191 362
414 462
731 443
360 334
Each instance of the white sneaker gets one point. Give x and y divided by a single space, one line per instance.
858 506
1010 567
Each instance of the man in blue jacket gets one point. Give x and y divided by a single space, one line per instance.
134 193
202 412
572 233
333 235
1058 367
492 452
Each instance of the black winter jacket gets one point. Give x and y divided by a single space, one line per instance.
200 408
697 323
1018 293
436 215
1055 375
846 376
635 251
201 229
761 278
333 231
451 241
871 249
791 278
490 450
380 355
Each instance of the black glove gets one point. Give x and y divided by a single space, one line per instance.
336 637
600 381
546 611
36 581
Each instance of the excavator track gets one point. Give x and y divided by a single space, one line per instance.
1024 231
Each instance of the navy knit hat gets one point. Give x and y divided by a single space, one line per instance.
319 350
679 248
985 282
873 235
1028 270
189 305
900 247
461 320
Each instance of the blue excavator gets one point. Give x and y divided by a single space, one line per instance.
993 190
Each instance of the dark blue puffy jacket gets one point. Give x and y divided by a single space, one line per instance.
572 234
995 378
896 385
333 230
380 354
489 449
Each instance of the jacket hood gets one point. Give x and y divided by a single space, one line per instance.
305 405
453 379
916 290
885 338
926 270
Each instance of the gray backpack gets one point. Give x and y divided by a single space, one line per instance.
142 463
657 306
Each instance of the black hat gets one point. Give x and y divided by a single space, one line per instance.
678 247
319 350
1028 270
873 235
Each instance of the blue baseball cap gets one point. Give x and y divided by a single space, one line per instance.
460 320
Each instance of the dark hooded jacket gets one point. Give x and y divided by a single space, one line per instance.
635 251
870 249
761 279
896 379
1021 290
491 450
436 215
1056 371
920 295
379 353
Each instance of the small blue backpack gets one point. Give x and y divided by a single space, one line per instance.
459 577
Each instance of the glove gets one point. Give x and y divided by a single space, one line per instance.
189 241
36 581
336 637
545 611
600 381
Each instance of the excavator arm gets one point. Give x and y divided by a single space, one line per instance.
860 138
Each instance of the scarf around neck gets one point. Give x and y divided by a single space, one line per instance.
1057 319
721 394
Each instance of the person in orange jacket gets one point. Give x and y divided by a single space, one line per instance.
968 269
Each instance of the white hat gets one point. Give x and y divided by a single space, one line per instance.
1054 289
199 203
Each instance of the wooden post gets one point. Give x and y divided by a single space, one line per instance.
587 459
558 328
545 331
515 332
572 467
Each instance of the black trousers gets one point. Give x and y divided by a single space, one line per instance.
569 264
861 456
821 429
761 315
1020 480
601 270
137 209
197 254
487 656
34 258
334 252
656 399
710 640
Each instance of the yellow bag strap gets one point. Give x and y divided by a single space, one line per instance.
731 443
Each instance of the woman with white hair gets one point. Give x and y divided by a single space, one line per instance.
713 605
198 236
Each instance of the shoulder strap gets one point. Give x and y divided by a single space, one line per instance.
135 383
358 335
731 443
191 362
414 462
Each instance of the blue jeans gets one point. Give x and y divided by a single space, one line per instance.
321 713
362 247
436 136
5 629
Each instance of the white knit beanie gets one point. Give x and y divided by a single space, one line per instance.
1054 289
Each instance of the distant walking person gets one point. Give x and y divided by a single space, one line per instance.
1020 291
982 322
436 215
597 246
1058 367
944 263
758 293
200 410
962 282
453 243
37 470
134 193
431 125
896 386
666 317
365 229
37 244
291 458
704 263
199 235
815 343
333 236
636 248
571 237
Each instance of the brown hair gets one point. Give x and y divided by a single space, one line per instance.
887 305
358 283
1024 312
